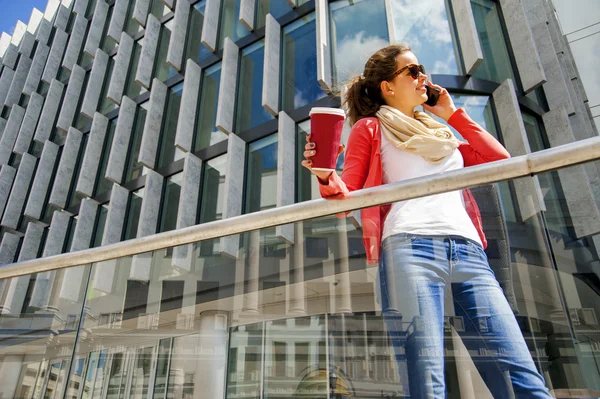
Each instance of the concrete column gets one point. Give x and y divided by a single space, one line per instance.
32 114
75 42
36 70
5 81
467 35
297 299
91 159
247 11
7 176
523 45
94 87
10 56
96 28
186 123
17 288
120 145
140 12
323 45
14 205
120 70
51 9
66 169
9 136
14 92
576 185
210 27
169 3
10 369
152 128
80 7
141 264
343 300
187 211
41 182
8 251
252 272
55 57
62 17
55 241
44 31
117 21
48 116
69 105
4 43
270 89
73 282
228 86
233 189
212 361
143 75
177 42
104 272
528 191
286 171
27 44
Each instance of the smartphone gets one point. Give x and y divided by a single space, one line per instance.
432 96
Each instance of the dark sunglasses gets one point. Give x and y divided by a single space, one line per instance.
413 70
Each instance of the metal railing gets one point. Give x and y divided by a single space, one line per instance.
531 164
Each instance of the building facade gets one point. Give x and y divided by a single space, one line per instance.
127 118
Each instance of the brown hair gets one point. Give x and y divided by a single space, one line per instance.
363 97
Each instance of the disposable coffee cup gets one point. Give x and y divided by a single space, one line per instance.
326 125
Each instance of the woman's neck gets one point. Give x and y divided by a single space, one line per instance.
406 110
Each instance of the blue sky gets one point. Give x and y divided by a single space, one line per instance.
13 10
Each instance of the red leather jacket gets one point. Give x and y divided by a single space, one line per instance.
362 169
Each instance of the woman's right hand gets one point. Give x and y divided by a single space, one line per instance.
309 151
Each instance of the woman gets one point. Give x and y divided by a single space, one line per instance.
427 247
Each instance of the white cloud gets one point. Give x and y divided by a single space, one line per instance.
353 52
430 15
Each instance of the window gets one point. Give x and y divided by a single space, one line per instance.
134 209
207 133
133 88
167 151
261 174
170 203
211 196
162 70
131 26
102 184
194 48
276 8
107 106
100 224
75 198
134 168
250 112
108 44
159 9
426 29
299 69
358 29
231 26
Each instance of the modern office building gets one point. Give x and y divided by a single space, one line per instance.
123 119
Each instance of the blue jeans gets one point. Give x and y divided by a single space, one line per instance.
417 275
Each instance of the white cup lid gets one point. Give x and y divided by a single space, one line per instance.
327 110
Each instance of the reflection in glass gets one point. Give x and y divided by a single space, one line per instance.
244 371
207 133
194 47
261 174
143 365
250 112
133 88
231 26
134 169
358 29
103 184
276 8
167 152
496 65
162 70
100 224
427 30
134 209
170 203
106 105
299 84
162 369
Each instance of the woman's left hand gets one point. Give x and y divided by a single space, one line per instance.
445 106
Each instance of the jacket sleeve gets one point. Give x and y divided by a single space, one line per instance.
481 147
356 163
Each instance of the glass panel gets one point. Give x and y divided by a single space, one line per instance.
74 197
108 44
276 8
261 174
250 112
299 68
107 105
133 213
168 153
358 28
143 365
194 47
245 359
162 369
134 168
162 70
231 26
207 133
170 203
211 206
103 184
131 26
496 65
159 9
427 30
100 224
133 88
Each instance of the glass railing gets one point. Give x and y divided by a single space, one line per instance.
296 311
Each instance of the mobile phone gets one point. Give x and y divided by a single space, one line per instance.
432 96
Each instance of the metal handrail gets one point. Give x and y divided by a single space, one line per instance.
538 162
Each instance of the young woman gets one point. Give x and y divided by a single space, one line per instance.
432 246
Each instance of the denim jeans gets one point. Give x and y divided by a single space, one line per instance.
417 276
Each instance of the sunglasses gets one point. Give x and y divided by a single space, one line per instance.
413 70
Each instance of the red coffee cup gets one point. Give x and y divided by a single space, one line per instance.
326 125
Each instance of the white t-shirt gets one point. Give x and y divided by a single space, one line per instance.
440 214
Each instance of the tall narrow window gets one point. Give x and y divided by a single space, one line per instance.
194 48
231 26
276 8
134 168
100 224
134 209
170 203
133 88
207 133
168 153
162 70
102 184
261 174
211 197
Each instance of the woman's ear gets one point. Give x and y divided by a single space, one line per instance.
386 88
